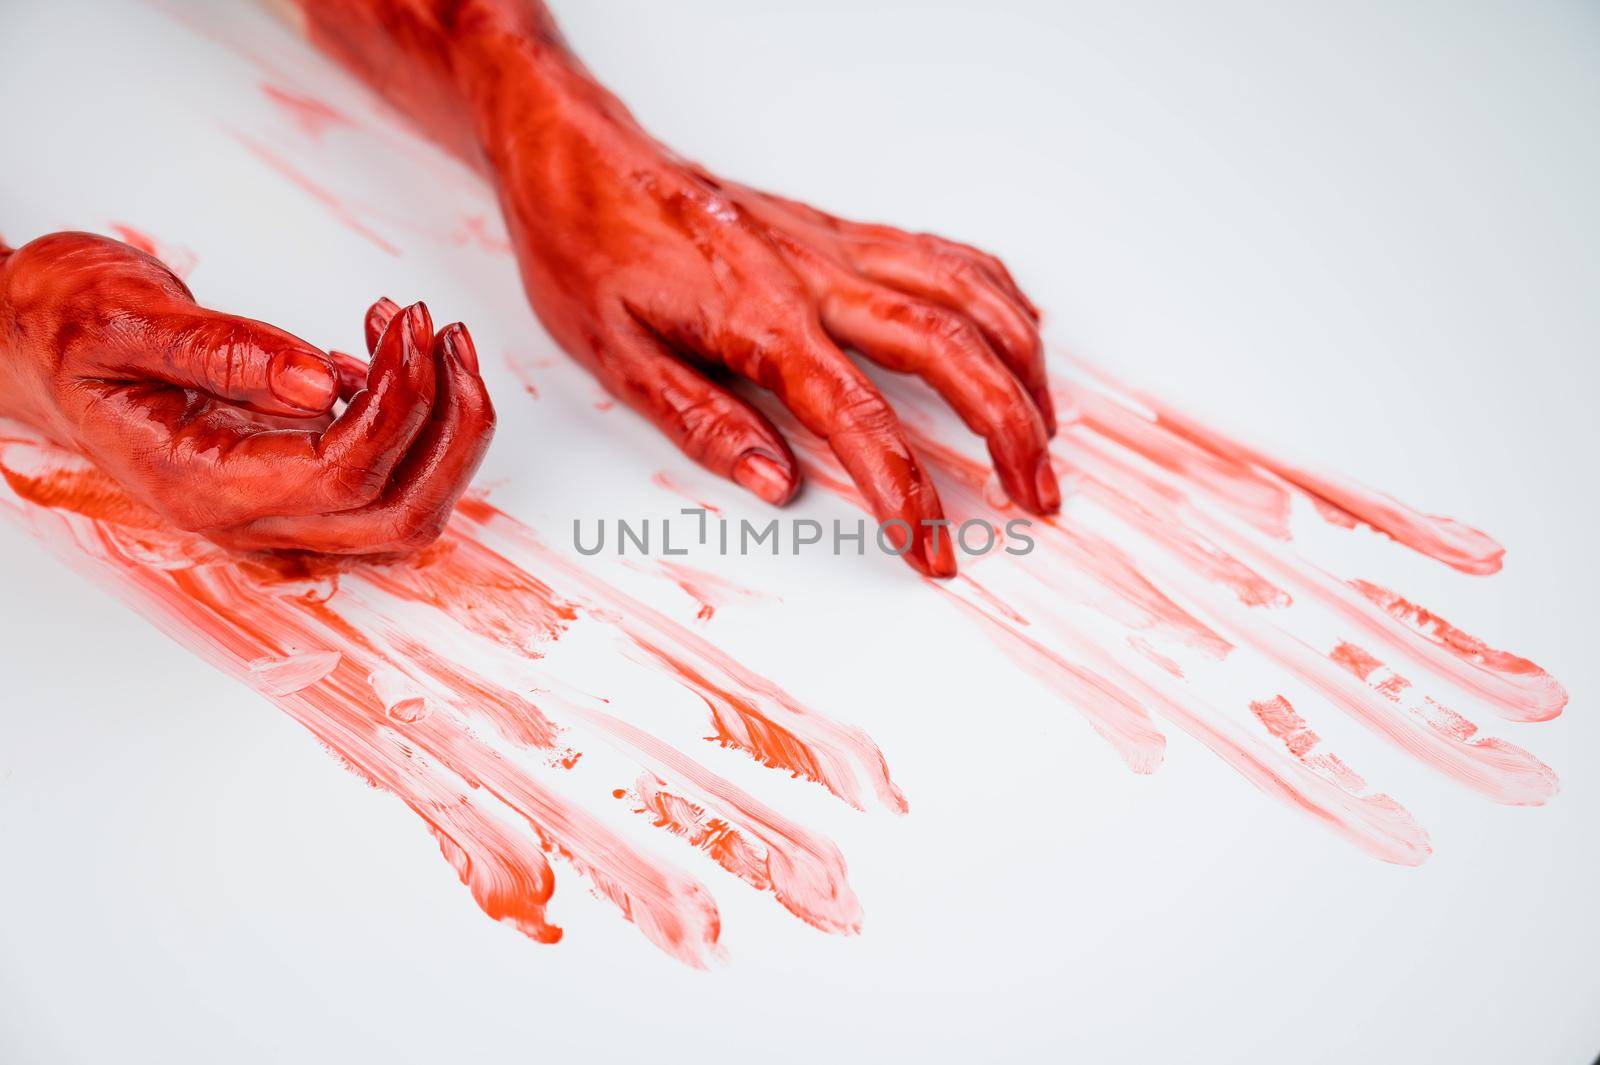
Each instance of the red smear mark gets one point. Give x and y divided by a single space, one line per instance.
1118 717
1146 648
325 642
1516 687
523 373
313 117
1355 660
1190 561
1214 576
726 845
477 231
771 852
178 259
1285 724
749 712
345 216
1445 539
707 589
663 479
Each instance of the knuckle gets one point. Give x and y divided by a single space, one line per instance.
213 350
348 487
959 332
707 425
861 410
957 268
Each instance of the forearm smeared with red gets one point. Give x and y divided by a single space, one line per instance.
226 426
647 268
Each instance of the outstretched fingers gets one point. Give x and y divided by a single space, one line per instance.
942 274
950 353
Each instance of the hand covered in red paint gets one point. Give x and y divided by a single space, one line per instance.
226 426
658 276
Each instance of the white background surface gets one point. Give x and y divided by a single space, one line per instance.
1368 232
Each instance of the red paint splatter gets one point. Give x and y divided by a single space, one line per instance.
312 116
708 589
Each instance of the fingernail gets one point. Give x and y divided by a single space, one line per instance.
303 381
760 473
1044 481
377 319
421 325
461 346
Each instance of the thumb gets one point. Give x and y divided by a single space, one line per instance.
240 360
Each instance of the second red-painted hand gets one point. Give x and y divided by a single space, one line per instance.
643 265
226 426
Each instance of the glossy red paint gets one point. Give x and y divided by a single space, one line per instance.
642 265
352 650
226 426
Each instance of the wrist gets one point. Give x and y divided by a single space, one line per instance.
449 65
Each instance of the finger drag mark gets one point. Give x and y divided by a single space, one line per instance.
1173 568
311 116
507 763
707 589
1514 687
749 712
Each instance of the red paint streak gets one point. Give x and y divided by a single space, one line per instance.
322 641
313 117
749 711
1152 507
1128 592
1514 686
1445 539
663 479
1119 718
523 373
345 216
1113 693
805 872
708 589
1235 486
1287 725
481 591
478 231
1498 770
725 844
1201 548
1508 685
